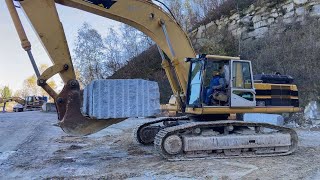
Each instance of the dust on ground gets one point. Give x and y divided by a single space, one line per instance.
32 148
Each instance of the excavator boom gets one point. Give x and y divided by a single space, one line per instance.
148 18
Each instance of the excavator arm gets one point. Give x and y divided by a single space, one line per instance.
16 99
141 14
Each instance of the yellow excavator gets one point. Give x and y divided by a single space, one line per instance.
30 103
205 130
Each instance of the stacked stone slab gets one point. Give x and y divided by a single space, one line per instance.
124 98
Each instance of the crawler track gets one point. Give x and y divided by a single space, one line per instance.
186 130
138 134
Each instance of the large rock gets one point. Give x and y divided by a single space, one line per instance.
274 15
247 20
256 18
315 10
312 111
288 7
289 15
104 99
300 1
259 24
301 11
260 32
274 119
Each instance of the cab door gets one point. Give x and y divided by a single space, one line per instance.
242 88
194 94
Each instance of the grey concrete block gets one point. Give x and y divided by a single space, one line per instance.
123 98
49 107
274 119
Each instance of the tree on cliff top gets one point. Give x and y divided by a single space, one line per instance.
89 54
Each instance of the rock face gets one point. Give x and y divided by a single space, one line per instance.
104 99
255 22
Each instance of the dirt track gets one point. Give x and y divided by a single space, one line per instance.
32 148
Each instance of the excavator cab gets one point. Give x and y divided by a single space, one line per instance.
235 80
34 102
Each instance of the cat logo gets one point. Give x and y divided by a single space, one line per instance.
102 3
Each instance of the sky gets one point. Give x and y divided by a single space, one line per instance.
15 66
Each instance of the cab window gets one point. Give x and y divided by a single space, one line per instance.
241 75
195 83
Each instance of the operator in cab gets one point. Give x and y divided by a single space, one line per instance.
217 84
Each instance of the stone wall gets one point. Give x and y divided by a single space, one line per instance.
257 20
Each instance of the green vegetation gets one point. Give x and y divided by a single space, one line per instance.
5 92
30 87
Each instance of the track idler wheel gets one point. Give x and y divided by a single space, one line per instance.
173 144
145 135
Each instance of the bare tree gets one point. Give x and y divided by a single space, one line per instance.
133 41
98 58
89 54
176 8
204 7
184 13
113 51
30 86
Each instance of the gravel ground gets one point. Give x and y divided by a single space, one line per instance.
32 148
